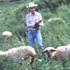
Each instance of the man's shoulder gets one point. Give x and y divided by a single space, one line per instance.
38 13
28 14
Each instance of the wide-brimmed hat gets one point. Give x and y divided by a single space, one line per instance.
32 4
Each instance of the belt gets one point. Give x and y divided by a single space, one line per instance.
30 28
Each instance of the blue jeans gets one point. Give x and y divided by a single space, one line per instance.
35 36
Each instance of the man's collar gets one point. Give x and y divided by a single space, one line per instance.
32 14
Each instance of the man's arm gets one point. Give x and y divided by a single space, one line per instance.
37 24
40 22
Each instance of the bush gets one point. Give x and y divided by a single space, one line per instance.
54 4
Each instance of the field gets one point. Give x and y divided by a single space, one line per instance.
54 33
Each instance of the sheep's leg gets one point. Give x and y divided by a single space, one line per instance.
51 63
63 59
64 65
32 60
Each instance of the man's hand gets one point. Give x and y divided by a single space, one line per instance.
37 24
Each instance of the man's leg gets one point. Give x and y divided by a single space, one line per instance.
30 39
39 39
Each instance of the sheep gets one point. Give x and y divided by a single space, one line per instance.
22 52
7 34
61 53
55 19
49 51
2 53
58 53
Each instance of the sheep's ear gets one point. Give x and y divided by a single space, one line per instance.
53 50
44 51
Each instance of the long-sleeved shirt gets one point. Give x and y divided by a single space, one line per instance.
32 19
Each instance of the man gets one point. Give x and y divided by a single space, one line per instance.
34 22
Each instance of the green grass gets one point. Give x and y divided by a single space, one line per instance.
55 33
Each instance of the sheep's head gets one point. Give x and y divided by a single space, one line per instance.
7 34
49 51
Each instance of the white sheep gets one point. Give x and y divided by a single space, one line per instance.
2 53
7 34
55 19
22 52
49 51
61 53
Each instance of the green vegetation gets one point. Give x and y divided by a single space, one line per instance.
55 33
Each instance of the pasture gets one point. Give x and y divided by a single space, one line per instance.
54 33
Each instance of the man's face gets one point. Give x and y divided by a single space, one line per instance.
32 9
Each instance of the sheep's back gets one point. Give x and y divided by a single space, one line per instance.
62 53
28 50
20 52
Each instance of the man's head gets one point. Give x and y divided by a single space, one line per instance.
32 7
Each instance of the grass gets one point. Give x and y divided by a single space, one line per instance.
55 33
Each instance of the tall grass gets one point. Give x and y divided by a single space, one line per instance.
55 33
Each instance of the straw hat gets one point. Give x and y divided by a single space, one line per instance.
32 4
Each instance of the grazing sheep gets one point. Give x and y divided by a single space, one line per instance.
7 34
22 52
49 51
2 53
56 18
61 53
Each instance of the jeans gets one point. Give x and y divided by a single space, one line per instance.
35 36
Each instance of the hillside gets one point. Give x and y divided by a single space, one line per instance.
54 33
